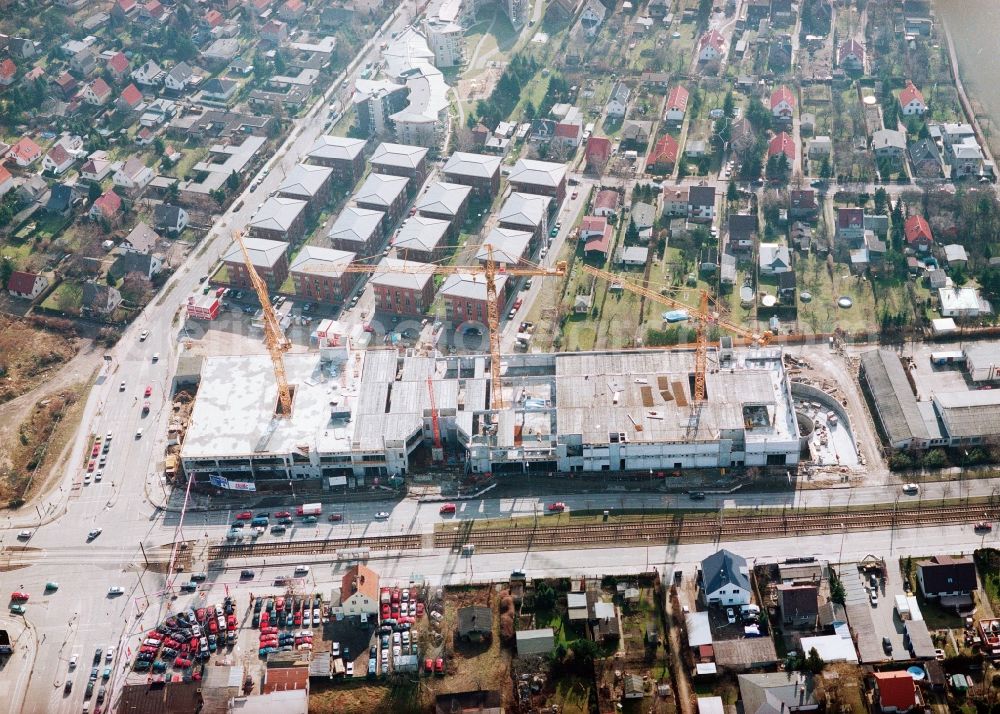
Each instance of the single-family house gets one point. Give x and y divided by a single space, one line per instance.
701 203
962 302
850 225
148 74
96 93
358 594
917 232
83 62
773 258
99 298
676 106
955 255
219 90
134 175
606 203
782 104
178 78
911 100
819 148
966 159
598 153
617 103
475 623
782 145
62 198
58 160
592 16
141 239
741 232
118 66
711 46
851 56
777 693
8 72
799 603
23 284
895 692
802 204
130 100
146 264
107 206
889 145
170 219
725 579
925 159
66 83
742 137
592 226
943 576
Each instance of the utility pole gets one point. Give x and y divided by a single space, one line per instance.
143 549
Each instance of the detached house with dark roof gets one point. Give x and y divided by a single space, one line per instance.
943 576
725 579
170 219
100 299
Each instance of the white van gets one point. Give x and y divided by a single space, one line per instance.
302 570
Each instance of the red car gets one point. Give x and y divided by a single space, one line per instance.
448 508
91 466
149 391
181 663
283 514
984 526
213 626
96 450
336 517
429 665
385 612
557 507
439 666
244 516
200 614
420 609
395 596
279 602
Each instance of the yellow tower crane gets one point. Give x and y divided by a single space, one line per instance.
274 337
702 319
490 270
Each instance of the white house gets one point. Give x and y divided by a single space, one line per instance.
134 175
911 101
774 259
26 285
149 74
677 102
359 593
725 579
711 46
962 302
179 77
618 101
171 219
58 160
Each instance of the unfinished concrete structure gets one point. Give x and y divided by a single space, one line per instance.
358 415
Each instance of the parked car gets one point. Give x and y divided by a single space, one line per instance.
447 508
557 507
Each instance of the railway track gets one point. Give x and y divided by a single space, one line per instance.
654 530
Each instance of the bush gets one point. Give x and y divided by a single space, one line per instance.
935 459
900 462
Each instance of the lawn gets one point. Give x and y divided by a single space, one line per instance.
572 695
189 157
822 314
67 297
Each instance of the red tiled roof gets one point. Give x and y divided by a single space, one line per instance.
21 282
567 131
916 229
665 151
593 224
602 244
910 93
678 98
713 38
850 217
896 689
5 175
109 203
782 94
126 5
606 199
782 144
118 63
213 18
58 154
26 149
598 148
34 73
131 95
7 68
65 80
852 47
100 88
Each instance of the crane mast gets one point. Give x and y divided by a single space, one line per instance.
274 338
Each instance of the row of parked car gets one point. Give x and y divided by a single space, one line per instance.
188 637
291 612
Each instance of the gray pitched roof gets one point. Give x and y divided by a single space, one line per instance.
355 224
381 190
421 233
277 213
538 173
305 180
402 155
444 198
724 568
264 253
524 209
478 165
336 147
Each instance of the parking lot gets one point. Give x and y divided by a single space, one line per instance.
873 623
